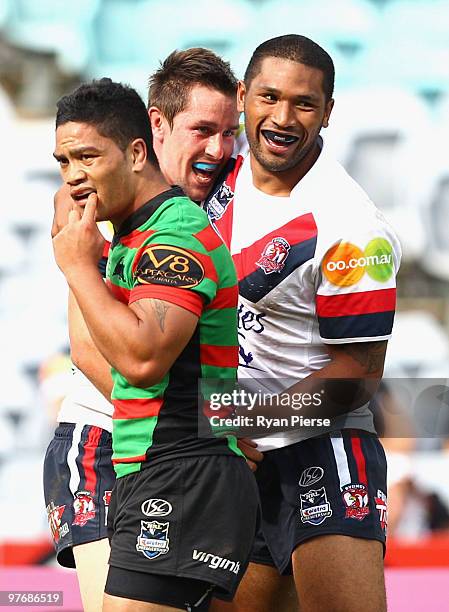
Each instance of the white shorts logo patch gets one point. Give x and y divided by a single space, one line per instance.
310 476
315 508
153 539
156 507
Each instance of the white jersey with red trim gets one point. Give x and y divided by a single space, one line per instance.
318 267
84 404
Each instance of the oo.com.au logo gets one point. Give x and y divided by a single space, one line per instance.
344 264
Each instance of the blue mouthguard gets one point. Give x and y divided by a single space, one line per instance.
204 166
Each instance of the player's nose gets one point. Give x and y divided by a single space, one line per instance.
214 147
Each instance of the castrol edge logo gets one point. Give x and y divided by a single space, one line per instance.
345 263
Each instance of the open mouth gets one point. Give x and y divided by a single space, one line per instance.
205 171
81 197
278 140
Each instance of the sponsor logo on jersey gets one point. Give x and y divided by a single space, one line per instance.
381 506
216 206
310 476
216 562
83 508
153 539
345 263
315 508
54 513
355 498
107 501
156 507
169 265
274 255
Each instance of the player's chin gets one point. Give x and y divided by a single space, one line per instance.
198 193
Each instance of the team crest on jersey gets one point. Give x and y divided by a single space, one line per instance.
355 498
83 508
54 514
107 501
274 255
381 506
216 206
153 539
315 508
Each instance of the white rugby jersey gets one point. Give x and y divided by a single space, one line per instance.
84 404
318 267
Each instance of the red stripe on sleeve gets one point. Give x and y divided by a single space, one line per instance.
226 297
359 459
138 408
349 304
188 300
106 248
221 356
88 461
120 293
209 238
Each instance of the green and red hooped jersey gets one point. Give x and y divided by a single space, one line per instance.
167 250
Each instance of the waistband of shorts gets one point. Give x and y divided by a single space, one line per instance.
65 430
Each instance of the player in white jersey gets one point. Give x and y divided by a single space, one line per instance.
316 263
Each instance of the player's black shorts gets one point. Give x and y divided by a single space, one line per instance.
78 480
331 484
186 517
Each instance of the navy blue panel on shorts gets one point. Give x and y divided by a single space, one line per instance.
78 481
190 517
331 484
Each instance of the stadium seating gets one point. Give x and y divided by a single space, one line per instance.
373 136
51 26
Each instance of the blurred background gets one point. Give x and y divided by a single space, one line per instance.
390 129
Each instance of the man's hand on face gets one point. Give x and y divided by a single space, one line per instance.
63 204
79 245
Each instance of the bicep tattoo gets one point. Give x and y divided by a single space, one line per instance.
160 310
370 355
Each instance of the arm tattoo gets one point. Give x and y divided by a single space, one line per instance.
370 355
160 310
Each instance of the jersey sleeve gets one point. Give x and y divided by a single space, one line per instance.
356 295
175 267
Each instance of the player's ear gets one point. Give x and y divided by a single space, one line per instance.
241 91
157 123
327 112
138 150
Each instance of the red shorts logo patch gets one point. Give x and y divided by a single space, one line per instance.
83 508
355 498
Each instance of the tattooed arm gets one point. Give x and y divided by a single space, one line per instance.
349 380
140 340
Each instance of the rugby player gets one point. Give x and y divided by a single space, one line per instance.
165 320
193 113
316 264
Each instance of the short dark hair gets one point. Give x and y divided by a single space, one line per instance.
170 85
297 49
116 110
